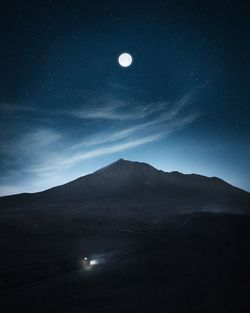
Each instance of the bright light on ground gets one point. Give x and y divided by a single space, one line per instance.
88 264
93 262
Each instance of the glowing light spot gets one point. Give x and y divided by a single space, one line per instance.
93 262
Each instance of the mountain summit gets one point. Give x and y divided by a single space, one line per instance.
127 166
140 183
128 172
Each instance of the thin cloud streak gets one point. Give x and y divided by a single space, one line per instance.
58 162
5 106
44 154
108 137
64 162
31 143
111 109
112 149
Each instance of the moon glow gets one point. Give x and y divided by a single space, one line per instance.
125 59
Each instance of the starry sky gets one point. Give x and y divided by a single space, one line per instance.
68 108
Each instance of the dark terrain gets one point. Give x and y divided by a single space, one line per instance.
164 242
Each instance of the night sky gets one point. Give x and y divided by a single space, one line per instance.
68 108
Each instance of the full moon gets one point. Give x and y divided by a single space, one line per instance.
125 59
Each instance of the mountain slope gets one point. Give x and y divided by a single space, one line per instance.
130 182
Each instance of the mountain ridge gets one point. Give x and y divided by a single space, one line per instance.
122 161
133 181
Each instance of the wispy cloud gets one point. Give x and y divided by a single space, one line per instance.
110 108
64 161
111 143
5 106
112 148
111 136
45 153
31 143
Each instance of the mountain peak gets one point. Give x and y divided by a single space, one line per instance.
121 161
127 173
126 165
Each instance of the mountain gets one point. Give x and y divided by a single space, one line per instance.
128 183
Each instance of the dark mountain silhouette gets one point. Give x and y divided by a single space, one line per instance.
135 182
161 236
